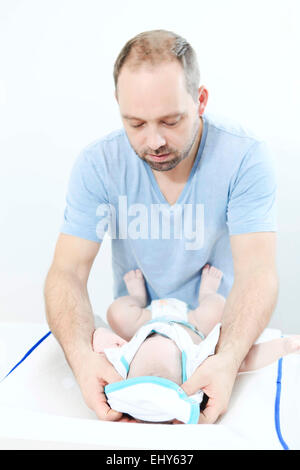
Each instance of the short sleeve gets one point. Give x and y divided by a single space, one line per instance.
252 194
87 207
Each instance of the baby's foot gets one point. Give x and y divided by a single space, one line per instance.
135 284
292 344
210 280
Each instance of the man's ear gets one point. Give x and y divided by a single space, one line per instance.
203 98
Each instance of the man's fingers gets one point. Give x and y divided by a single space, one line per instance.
110 375
128 419
105 413
103 410
189 387
194 383
99 402
210 414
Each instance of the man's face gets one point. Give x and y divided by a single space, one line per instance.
159 115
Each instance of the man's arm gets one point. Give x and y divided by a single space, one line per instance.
247 311
253 296
70 317
68 309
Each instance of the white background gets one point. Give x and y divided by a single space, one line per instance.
56 96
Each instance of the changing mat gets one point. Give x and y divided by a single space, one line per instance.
40 402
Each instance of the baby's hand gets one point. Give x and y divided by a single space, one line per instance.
104 338
292 344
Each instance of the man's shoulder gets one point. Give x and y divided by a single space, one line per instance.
231 129
233 144
114 139
107 153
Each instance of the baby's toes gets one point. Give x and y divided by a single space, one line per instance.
139 274
215 272
129 275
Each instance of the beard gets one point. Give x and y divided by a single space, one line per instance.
178 156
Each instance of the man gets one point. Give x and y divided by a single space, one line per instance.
208 181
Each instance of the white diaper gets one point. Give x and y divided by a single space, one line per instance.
169 307
153 398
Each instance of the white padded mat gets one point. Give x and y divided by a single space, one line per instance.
40 402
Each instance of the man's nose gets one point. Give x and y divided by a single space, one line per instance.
155 140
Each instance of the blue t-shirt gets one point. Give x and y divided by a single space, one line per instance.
231 190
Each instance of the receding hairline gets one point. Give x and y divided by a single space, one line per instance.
148 50
153 48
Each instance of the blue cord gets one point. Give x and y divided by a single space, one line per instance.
277 406
28 353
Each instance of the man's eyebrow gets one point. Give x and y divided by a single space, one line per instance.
126 116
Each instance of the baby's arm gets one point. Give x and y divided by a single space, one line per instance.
263 354
105 338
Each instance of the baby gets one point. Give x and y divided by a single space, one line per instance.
127 314
159 355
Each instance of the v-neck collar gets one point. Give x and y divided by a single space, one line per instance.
192 172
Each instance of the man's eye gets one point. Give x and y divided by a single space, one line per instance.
138 125
166 123
171 123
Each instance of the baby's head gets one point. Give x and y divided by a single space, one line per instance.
158 356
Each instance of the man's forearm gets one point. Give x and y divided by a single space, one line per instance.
69 314
247 312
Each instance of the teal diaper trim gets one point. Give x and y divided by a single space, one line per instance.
167 319
183 366
140 380
195 413
125 364
194 406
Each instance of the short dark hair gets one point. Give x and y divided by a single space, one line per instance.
158 46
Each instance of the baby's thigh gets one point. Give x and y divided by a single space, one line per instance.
207 315
125 318
193 318
136 319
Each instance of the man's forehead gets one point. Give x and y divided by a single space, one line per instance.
165 82
165 116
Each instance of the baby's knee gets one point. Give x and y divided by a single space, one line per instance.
215 303
220 299
114 313
219 304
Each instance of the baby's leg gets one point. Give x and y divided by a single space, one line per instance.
263 354
211 304
127 314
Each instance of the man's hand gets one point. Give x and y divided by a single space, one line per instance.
97 372
215 377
